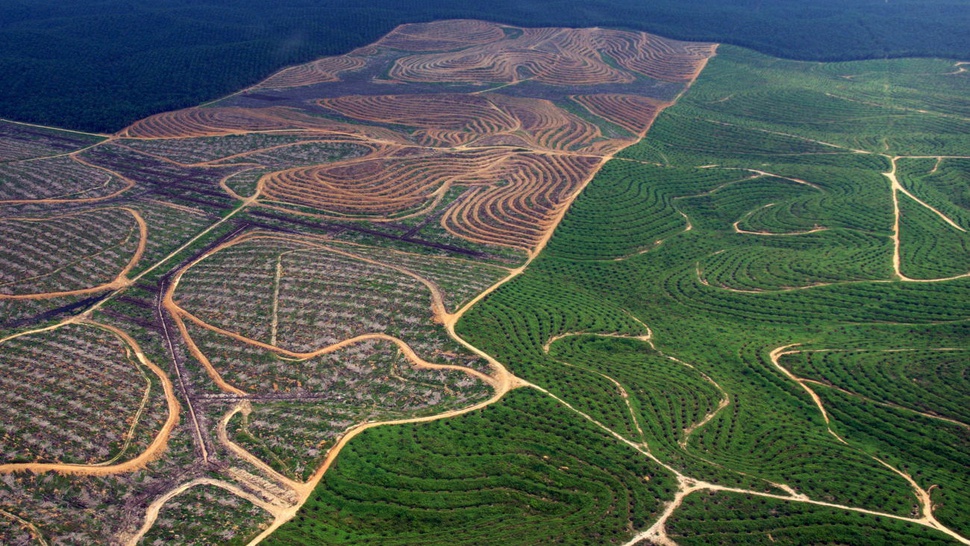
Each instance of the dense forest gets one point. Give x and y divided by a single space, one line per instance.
98 65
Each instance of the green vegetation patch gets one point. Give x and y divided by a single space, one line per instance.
930 247
926 380
667 396
524 470
935 453
730 518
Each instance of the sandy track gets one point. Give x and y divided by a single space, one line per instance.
656 533
648 338
61 200
438 306
896 186
724 402
623 394
775 356
888 404
896 189
645 338
688 485
737 228
156 506
405 349
178 313
31 528
130 435
701 279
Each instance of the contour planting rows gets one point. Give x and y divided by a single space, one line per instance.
930 247
726 518
632 112
313 295
458 280
662 415
320 71
933 377
915 425
198 122
474 120
188 518
398 145
56 179
395 184
523 471
69 254
76 395
23 141
776 227
555 57
522 208
816 259
278 271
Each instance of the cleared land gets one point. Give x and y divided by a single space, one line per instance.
525 151
76 395
272 274
446 288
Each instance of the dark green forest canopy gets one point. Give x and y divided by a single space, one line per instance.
98 65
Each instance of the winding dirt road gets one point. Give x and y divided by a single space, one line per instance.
151 515
154 450
922 495
898 188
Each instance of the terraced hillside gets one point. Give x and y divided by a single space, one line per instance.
200 311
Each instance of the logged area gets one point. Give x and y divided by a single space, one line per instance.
202 310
